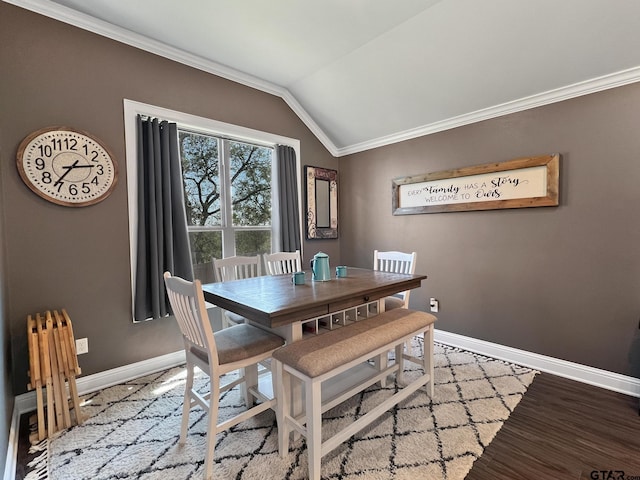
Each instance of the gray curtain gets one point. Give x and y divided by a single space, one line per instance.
163 241
289 208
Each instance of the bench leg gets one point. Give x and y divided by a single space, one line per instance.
283 393
400 362
313 401
381 362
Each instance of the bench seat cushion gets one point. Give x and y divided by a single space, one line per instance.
317 355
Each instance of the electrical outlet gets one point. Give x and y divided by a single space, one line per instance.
82 346
434 304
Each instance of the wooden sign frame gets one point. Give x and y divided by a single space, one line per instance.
322 203
518 183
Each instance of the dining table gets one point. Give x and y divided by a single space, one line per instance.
276 303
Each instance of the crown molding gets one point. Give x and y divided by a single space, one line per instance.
100 27
309 122
579 89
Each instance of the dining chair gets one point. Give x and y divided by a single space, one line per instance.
239 347
282 262
235 268
395 262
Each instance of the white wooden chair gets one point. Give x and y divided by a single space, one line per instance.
395 262
235 268
239 347
282 262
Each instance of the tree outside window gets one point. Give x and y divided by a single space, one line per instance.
227 187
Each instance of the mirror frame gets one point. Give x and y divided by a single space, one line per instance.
324 174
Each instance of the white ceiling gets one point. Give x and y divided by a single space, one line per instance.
364 73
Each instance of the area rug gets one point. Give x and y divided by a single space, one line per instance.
132 430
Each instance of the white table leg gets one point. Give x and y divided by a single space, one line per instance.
382 360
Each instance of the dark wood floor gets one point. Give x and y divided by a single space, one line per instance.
560 430
564 429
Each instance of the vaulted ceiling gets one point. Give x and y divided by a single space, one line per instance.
365 73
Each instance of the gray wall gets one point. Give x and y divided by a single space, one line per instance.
78 258
561 281
6 390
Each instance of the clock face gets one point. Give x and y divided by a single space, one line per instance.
67 166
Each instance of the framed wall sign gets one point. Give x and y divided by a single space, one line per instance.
322 202
519 183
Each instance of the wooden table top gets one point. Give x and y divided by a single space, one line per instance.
274 301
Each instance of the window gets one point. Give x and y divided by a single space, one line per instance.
228 194
235 222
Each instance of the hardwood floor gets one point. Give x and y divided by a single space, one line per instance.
560 430
564 429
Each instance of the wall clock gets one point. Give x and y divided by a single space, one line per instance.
67 166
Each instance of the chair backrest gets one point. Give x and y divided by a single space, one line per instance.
282 262
396 262
236 268
187 303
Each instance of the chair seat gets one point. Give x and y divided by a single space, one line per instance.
391 303
240 342
234 318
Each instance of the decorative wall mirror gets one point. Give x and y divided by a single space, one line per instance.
322 203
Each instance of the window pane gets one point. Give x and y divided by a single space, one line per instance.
201 175
204 246
251 243
250 170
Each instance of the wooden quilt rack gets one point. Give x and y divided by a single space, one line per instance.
52 364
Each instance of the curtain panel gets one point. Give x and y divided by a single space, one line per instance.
163 241
289 207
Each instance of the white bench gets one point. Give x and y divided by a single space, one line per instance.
336 355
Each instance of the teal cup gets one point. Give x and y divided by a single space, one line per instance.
341 271
298 278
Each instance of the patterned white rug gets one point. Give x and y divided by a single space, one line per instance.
132 430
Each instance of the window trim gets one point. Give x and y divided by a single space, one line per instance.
196 124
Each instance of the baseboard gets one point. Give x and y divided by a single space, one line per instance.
11 459
27 401
574 371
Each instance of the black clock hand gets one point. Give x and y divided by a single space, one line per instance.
69 168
